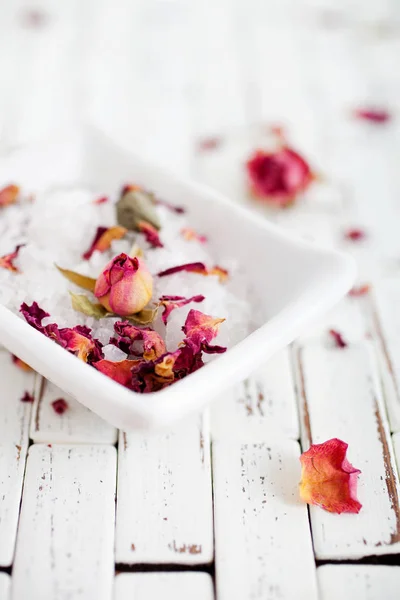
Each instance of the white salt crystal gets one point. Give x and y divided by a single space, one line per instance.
113 353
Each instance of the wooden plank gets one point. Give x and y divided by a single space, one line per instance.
359 582
77 425
169 586
14 429
340 396
264 405
164 509
386 321
66 534
396 446
5 586
261 526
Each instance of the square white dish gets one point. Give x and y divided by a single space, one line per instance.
293 282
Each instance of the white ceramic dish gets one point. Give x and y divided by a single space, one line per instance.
294 282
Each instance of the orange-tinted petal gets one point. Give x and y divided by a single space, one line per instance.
7 261
171 302
190 235
101 200
328 479
151 234
103 239
9 195
20 363
200 329
222 274
119 371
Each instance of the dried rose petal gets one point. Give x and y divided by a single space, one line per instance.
197 267
278 177
120 371
7 261
373 115
60 406
27 397
153 344
151 234
176 209
103 239
360 290
190 235
200 330
77 340
20 363
101 200
171 302
355 235
9 195
328 479
338 338
125 286
209 143
34 18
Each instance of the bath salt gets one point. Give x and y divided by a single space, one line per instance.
151 328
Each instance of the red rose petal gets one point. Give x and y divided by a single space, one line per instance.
328 479
190 235
176 209
7 261
151 234
209 143
103 239
200 330
373 115
338 338
27 397
170 303
355 235
196 267
120 371
60 406
360 290
153 344
101 200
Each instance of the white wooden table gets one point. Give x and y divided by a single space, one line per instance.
211 509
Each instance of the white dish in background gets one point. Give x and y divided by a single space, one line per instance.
293 282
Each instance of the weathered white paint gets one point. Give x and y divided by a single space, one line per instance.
5 586
358 582
66 534
14 428
340 397
168 586
77 425
264 405
386 320
164 505
263 542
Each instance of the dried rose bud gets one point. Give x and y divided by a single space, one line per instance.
278 177
125 286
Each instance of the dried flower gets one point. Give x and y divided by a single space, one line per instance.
101 200
191 235
20 363
7 261
77 340
355 235
278 177
209 143
125 286
9 195
153 344
171 302
360 290
103 239
60 406
150 233
120 371
373 115
338 338
200 330
27 397
328 479
196 267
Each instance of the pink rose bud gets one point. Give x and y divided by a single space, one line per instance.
125 286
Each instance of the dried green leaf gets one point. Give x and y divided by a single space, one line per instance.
82 304
144 317
87 283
